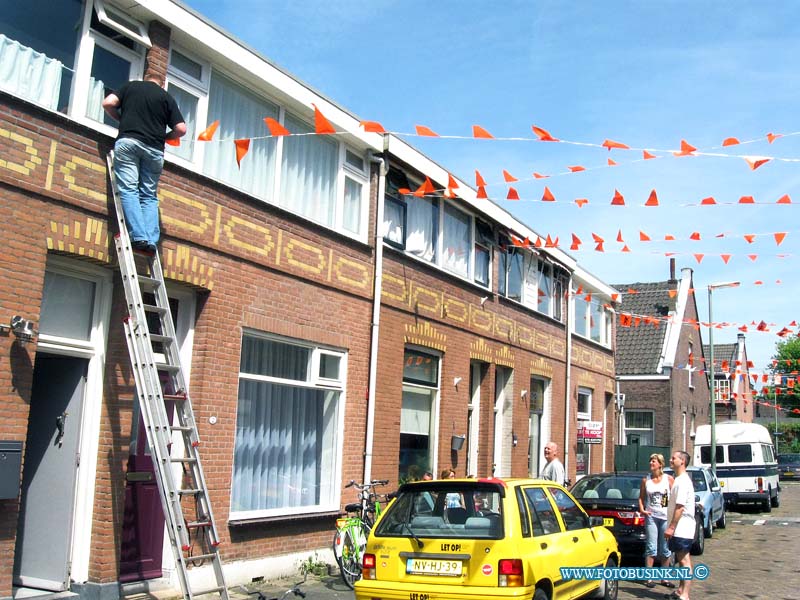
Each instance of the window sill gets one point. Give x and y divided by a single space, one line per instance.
433 266
283 518
591 341
530 310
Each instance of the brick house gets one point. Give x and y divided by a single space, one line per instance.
300 381
733 388
660 363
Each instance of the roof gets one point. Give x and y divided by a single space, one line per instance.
639 348
727 352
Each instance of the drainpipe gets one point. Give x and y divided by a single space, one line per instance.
376 315
568 383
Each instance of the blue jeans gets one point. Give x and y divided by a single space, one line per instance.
137 168
656 543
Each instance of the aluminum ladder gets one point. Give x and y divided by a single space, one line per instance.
155 375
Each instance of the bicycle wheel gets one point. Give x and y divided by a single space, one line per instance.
354 541
337 546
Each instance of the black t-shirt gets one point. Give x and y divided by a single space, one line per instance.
146 110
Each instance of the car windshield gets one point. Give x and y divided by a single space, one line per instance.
786 459
445 510
698 481
614 487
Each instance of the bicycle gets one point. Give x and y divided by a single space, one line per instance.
352 531
294 590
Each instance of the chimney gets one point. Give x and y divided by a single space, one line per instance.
672 269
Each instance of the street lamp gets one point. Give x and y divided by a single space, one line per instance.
711 287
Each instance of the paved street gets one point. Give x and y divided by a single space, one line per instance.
754 558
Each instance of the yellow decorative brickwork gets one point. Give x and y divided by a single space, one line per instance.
424 334
540 366
181 264
480 350
68 170
33 155
84 238
504 357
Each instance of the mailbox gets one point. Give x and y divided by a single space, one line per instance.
10 463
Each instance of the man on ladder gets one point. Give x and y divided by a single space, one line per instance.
144 110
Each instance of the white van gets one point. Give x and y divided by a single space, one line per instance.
746 463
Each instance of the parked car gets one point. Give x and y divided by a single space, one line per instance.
710 497
504 539
789 467
615 498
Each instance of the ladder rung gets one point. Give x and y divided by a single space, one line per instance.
190 492
163 339
154 309
167 368
198 524
177 397
201 557
179 427
148 283
215 590
185 459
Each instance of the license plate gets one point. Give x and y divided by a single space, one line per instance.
426 566
608 521
789 473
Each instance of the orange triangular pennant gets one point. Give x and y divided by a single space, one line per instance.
643 237
276 128
619 236
750 237
695 236
581 202
669 237
731 141
686 149
170 142
612 144
707 201
577 169
625 248
480 132
599 247
543 135
479 180
540 176
779 237
597 238
699 257
771 137
611 163
425 131
512 194
451 182
481 195
372 127
755 161
547 196
425 189
785 199
242 147
618 199
646 155
208 133
652 200
509 177
747 200
321 125
753 257
725 258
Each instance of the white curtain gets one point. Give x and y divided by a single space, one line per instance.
422 227
545 293
240 115
29 74
456 251
94 105
308 173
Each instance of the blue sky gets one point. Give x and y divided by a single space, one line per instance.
644 73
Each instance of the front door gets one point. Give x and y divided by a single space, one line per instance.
44 530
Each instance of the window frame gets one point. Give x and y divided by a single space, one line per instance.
435 389
584 415
103 11
629 429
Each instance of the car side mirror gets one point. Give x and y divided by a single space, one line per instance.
595 521
697 498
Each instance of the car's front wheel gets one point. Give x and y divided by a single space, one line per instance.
609 588
722 522
709 530
699 545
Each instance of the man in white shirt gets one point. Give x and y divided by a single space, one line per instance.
680 518
553 470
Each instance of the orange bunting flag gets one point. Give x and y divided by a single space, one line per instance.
643 237
509 177
577 169
581 202
625 320
480 132
276 128
725 258
538 243
779 237
652 200
731 141
597 238
479 180
372 127
450 194
611 163
758 282
425 189
783 333
747 200
599 247
176 142
547 196
753 257
669 238
618 199
785 199
612 144
695 236
699 258
540 176
614 297
743 328
321 125
755 162
451 182
512 194
208 133
242 147
750 237
686 149
625 248
543 134
550 242
771 137
762 326
425 131
647 156
576 242
619 237
481 195
708 201
672 293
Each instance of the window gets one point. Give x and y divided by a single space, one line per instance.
592 317
512 263
574 518
129 28
457 238
722 390
417 413
188 84
484 240
705 454
287 437
639 427
355 184
422 222
544 293
740 453
584 404
543 515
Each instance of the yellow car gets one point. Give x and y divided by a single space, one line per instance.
485 538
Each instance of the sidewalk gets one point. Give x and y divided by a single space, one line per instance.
315 588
